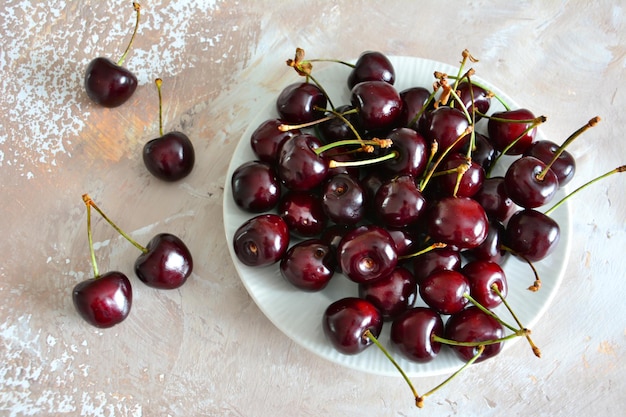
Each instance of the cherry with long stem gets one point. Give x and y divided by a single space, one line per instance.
137 8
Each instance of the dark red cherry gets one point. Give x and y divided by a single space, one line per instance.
109 84
412 150
491 248
345 322
303 213
515 127
399 203
392 294
299 167
412 334
458 184
103 301
343 199
367 253
473 325
481 276
299 103
414 100
166 264
261 240
483 152
532 234
445 125
493 198
457 221
378 103
444 291
267 139
337 129
564 167
255 186
474 97
405 240
309 265
170 157
435 260
524 186
371 66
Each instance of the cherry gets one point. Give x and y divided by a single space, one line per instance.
166 263
481 276
103 301
492 247
399 203
392 294
473 325
299 167
171 156
415 100
512 131
303 213
336 128
367 253
300 103
108 83
493 198
445 125
255 186
267 139
564 167
346 322
309 265
378 104
483 153
532 234
261 240
525 185
460 176
435 260
457 221
474 97
404 240
412 151
444 291
343 199
371 66
412 334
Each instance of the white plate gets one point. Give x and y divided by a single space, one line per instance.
298 314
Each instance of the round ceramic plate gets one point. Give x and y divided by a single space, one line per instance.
298 314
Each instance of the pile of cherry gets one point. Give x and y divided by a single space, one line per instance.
394 191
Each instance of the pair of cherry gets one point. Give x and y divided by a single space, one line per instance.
106 299
169 157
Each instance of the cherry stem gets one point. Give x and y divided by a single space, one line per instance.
96 274
438 245
415 118
337 61
450 342
430 172
391 155
158 83
537 283
322 89
137 8
534 347
479 351
374 340
383 143
490 313
611 172
91 203
591 123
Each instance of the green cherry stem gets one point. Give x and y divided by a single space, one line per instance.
158 83
89 202
437 245
516 333
92 252
137 8
337 61
537 283
490 313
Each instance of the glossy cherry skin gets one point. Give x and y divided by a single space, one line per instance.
414 100
109 84
170 157
297 103
371 66
343 199
345 322
337 129
523 186
481 276
493 198
367 253
309 265
491 248
444 291
167 263
503 133
261 240
412 151
392 294
460 222
445 125
435 260
483 152
255 187
378 103
468 184
473 325
104 301
412 334
564 167
299 167
303 213
474 97
267 139
532 234
399 203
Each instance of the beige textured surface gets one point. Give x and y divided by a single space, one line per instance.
206 349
